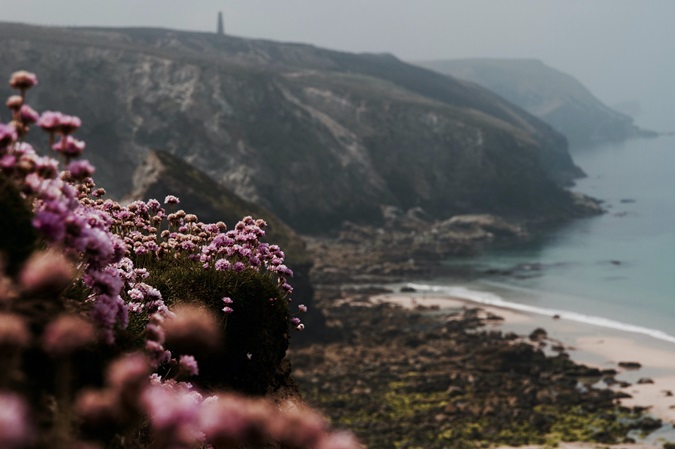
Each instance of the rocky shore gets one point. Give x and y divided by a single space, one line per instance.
422 376
402 378
409 245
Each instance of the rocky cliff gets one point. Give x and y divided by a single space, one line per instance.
316 136
554 96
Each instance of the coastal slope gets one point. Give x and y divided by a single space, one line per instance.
555 97
319 137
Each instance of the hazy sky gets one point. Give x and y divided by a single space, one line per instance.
621 49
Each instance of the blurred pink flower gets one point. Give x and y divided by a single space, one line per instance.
188 365
14 332
15 430
23 80
14 102
69 146
67 334
68 124
170 199
47 272
81 169
50 121
128 372
7 135
28 115
192 326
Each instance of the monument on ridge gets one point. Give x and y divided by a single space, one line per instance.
221 27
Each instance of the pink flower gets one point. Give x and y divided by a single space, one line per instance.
230 421
47 271
98 409
14 102
192 326
227 300
50 121
50 225
7 162
188 365
156 352
67 334
69 146
128 373
238 267
7 135
136 294
299 426
173 409
109 311
23 80
228 310
14 331
28 115
302 308
15 430
222 265
68 124
170 199
81 169
340 440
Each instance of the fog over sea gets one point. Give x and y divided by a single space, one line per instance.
616 270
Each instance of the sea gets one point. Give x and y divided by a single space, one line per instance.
615 270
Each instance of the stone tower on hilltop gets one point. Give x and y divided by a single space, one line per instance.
221 27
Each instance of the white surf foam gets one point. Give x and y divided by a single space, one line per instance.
492 299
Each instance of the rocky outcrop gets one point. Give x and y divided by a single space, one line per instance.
554 96
408 246
316 136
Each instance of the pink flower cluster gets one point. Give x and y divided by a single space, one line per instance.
183 416
102 245
62 219
150 232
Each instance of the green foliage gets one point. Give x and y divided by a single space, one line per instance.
259 325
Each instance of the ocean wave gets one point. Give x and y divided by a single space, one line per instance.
492 299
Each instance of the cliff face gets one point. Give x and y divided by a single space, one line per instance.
554 96
316 136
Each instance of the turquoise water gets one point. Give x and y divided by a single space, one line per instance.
617 269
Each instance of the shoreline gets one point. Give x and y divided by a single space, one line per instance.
590 344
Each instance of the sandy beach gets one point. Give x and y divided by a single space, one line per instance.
652 385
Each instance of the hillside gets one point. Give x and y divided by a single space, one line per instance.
553 96
316 136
